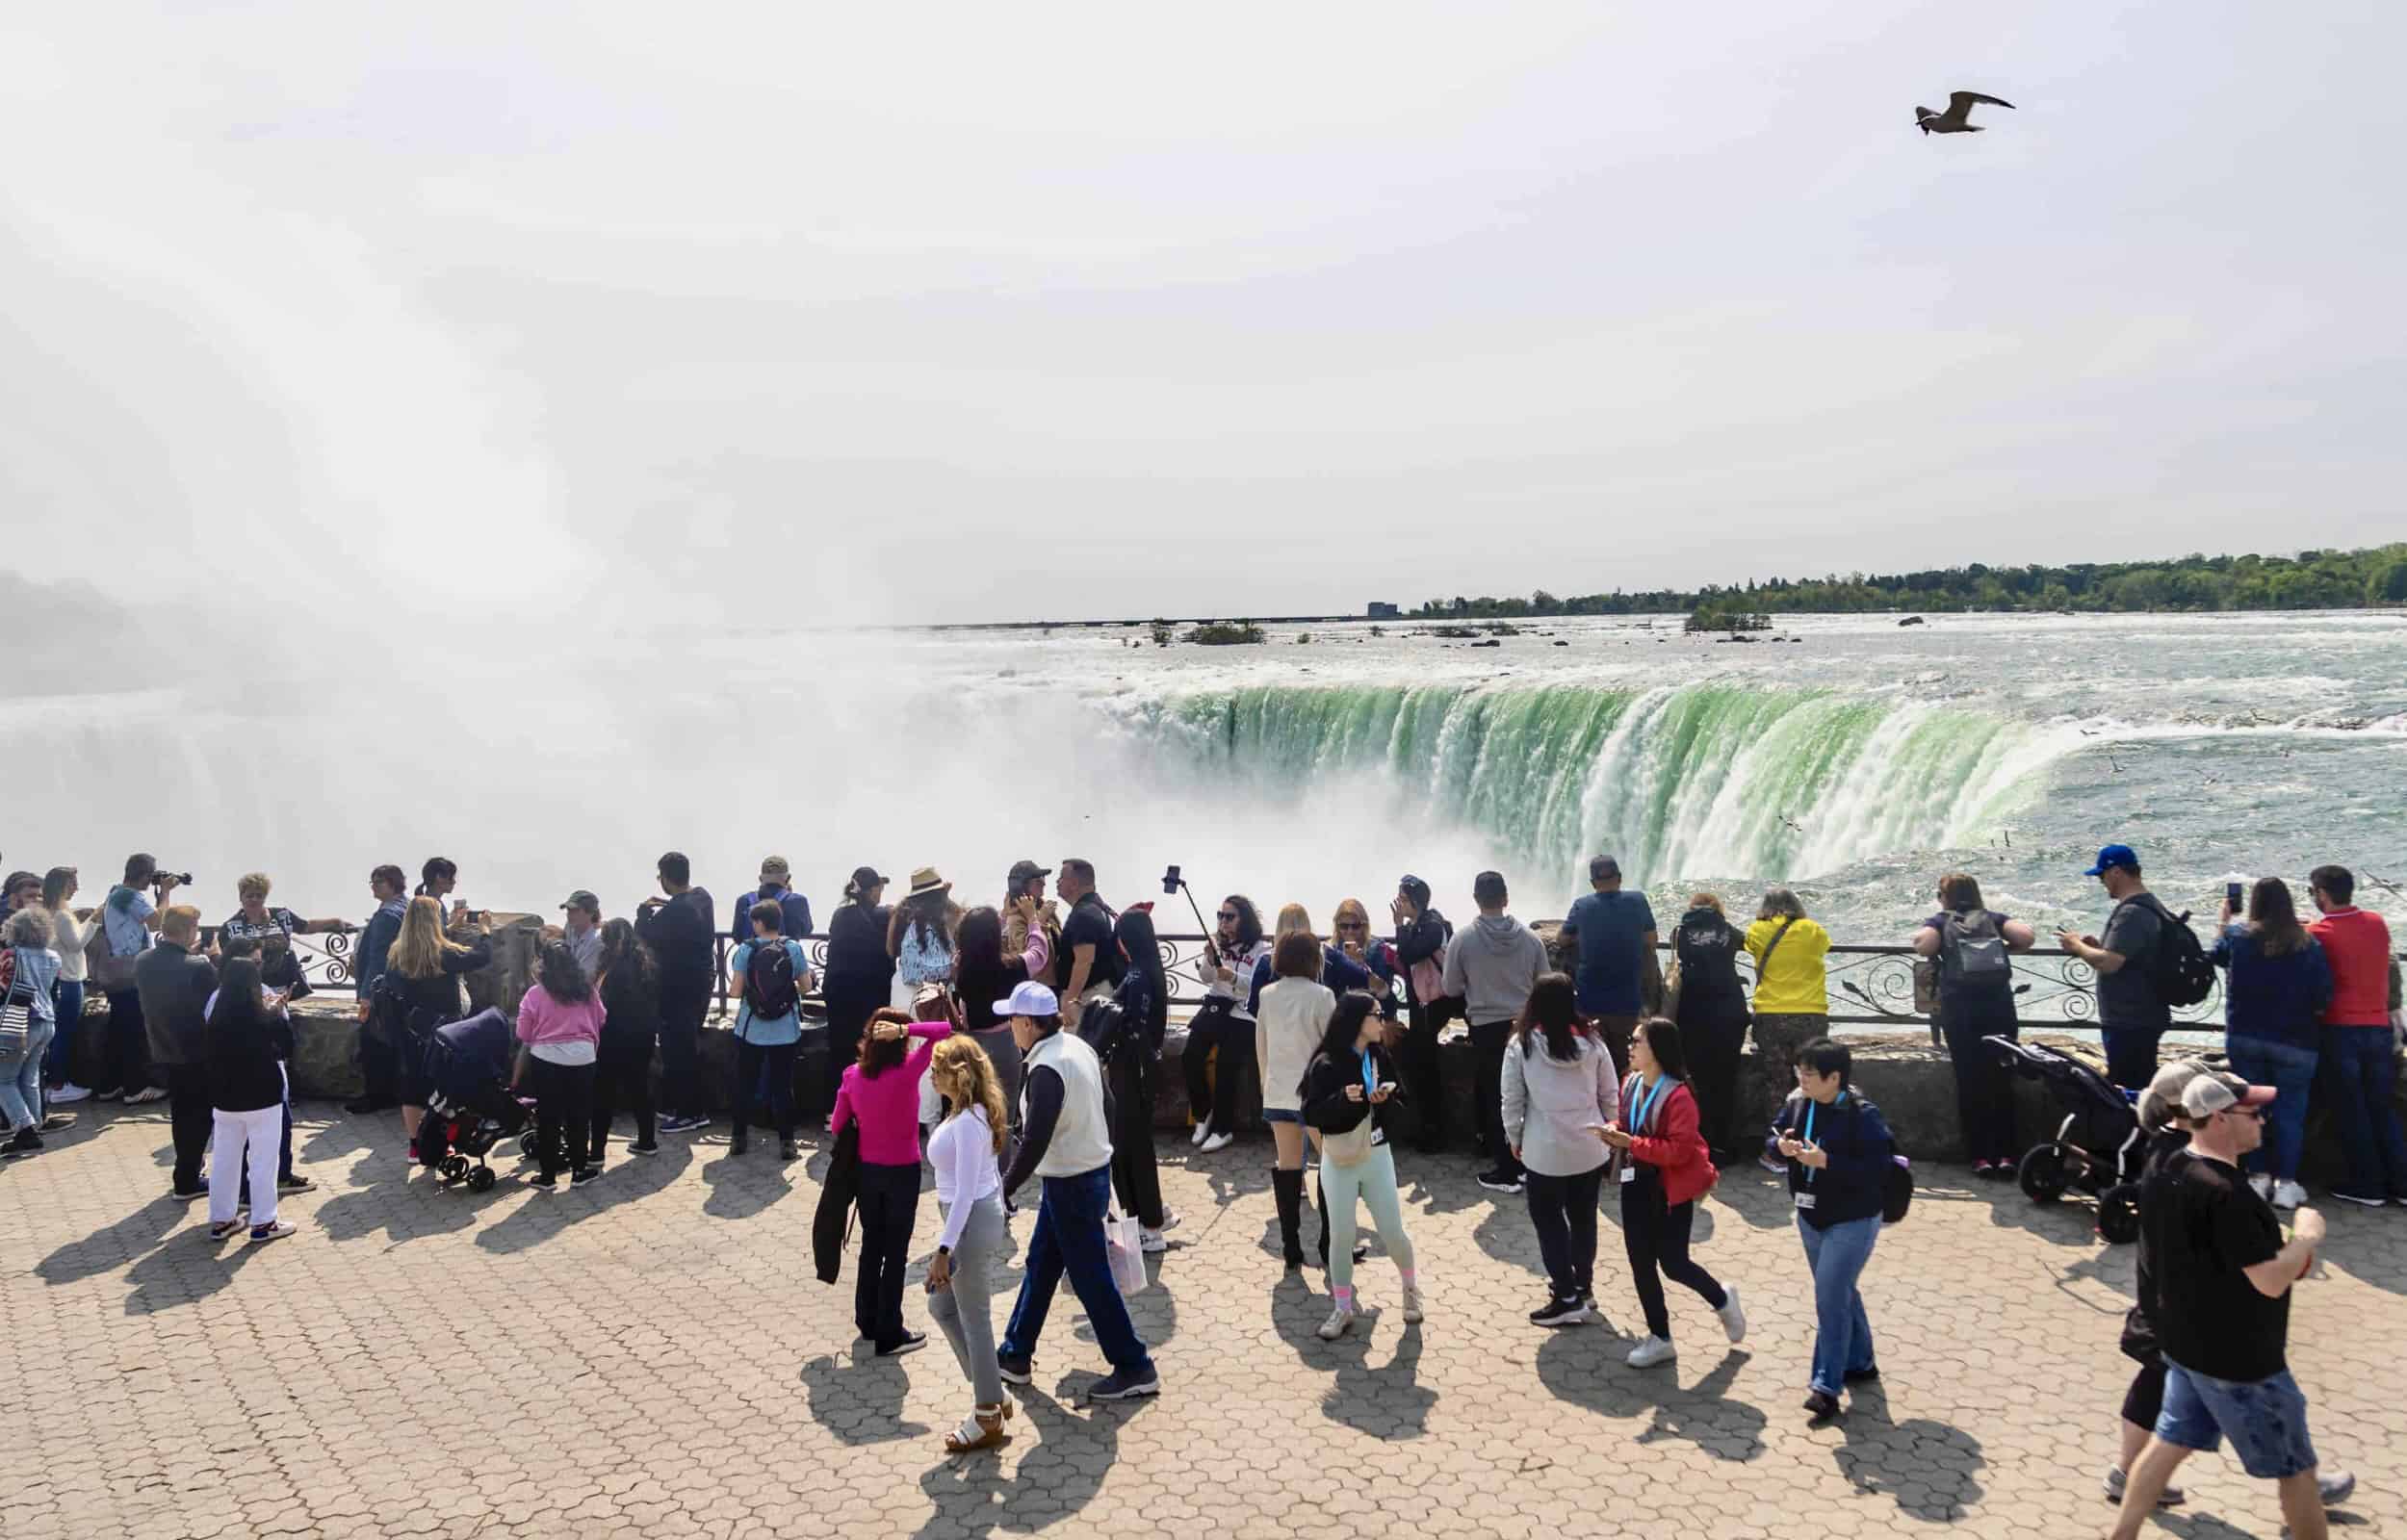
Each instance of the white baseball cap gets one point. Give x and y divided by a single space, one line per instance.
1029 999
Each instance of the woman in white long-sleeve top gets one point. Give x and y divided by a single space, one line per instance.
965 1151
1558 1090
1288 1026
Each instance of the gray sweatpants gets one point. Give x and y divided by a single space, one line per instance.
965 1311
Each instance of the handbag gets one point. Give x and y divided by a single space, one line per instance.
16 1016
1353 1146
1763 964
1124 1242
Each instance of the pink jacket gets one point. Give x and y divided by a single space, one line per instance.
543 1020
888 1106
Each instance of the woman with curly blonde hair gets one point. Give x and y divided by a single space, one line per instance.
967 1152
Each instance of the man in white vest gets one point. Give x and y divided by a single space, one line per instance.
1066 1141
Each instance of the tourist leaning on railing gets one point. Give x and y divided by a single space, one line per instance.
1791 999
1709 1004
1971 943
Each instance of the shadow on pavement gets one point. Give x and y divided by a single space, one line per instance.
1388 1403
115 1245
190 1268
1584 1366
1929 1467
860 1400
1062 1458
743 1185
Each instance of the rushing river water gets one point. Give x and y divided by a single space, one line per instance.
1854 759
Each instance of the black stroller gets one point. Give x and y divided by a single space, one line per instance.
469 1134
2098 1146
471 1108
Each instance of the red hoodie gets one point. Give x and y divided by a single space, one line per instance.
2358 946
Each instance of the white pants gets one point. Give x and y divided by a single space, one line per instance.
261 1131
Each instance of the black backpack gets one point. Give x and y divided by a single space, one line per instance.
1896 1189
769 981
1972 955
2177 964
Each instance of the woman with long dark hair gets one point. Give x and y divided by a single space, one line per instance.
1665 1168
1143 1001
986 967
2279 983
246 1039
1713 1017
1293 1017
630 1002
561 1021
1349 1081
1557 1089
881 1092
860 970
1219 1055
919 936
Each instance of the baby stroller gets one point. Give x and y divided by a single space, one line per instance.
470 1133
2097 1148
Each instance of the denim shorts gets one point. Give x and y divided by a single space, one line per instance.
1280 1115
2264 1419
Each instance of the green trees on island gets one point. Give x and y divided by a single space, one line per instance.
2311 579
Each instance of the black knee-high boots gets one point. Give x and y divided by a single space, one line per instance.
1287 1187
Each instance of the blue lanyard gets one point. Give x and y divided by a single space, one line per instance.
1810 1106
1646 1102
1370 1078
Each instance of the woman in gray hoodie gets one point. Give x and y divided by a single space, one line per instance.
1558 1092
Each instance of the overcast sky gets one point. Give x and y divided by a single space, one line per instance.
910 313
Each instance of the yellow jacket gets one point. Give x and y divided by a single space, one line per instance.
1793 985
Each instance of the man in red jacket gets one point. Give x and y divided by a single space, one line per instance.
2360 1050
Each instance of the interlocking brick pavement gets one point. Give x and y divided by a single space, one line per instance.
651 1356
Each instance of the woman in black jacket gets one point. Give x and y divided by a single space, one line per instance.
1839 1154
1348 1083
1421 937
245 1040
1143 1002
419 992
860 973
1713 1017
631 996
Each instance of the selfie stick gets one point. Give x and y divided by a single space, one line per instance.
1200 923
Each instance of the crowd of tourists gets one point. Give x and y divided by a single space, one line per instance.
1019 1040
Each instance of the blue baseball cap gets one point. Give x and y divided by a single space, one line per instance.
2113 855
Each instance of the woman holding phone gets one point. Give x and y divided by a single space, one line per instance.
1348 1092
1665 1168
1837 1150
1220 1040
1294 1017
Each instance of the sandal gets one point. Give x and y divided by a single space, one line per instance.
982 1429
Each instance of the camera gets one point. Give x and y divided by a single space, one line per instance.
179 879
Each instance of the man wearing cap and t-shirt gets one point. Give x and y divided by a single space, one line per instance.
581 929
2132 1016
777 886
2220 1277
1067 1143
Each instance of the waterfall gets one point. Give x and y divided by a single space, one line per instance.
1693 779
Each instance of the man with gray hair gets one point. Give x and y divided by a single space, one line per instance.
1611 937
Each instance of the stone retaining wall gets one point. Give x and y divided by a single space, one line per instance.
1913 1083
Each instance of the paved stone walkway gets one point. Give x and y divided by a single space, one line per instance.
651 1356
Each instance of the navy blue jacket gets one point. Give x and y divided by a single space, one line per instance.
2272 996
1857 1137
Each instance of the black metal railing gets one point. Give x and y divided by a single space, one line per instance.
1868 985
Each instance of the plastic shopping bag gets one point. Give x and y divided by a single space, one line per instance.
1123 1239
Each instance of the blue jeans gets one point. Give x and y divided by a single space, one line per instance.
1069 1238
67 1000
20 1079
2264 1419
2363 1067
1842 1333
2289 1068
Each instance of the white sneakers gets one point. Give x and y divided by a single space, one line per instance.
1218 1141
1341 1320
1412 1305
61 1095
1733 1319
1652 1351
2262 1185
2289 1194
1152 1241
1203 1131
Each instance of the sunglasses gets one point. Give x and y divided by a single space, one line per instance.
1229 914
1354 925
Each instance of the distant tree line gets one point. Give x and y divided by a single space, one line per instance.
2311 579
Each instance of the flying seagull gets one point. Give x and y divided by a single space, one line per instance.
1957 119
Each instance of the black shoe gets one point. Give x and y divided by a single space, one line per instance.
1121 1385
292 1182
1016 1371
787 1149
1559 1313
739 1143
1823 1405
186 1198
549 1181
1861 1377
26 1143
2350 1194
912 1342
585 1174
643 1149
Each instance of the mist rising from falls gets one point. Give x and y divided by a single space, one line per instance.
1688 780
